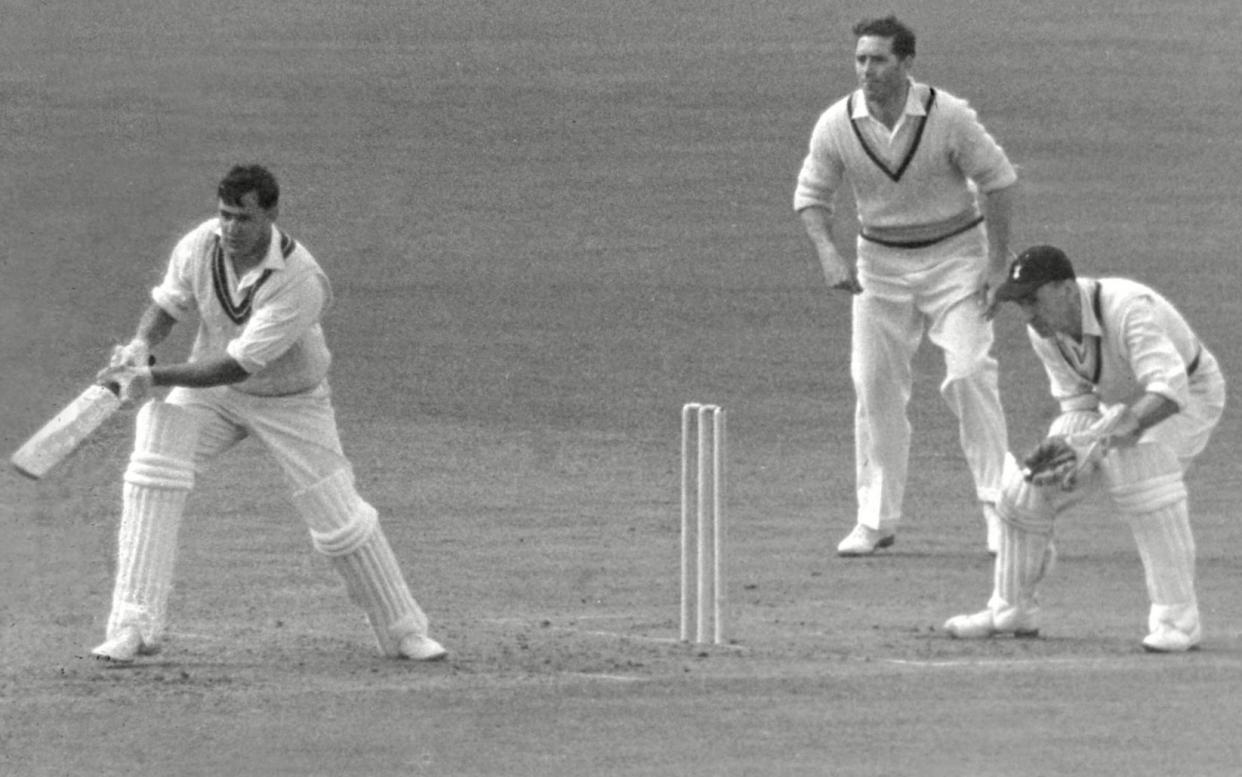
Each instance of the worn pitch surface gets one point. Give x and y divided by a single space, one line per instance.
549 225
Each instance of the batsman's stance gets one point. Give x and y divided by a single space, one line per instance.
258 367
1139 396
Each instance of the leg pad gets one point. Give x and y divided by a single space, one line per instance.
1147 487
157 482
1025 554
346 528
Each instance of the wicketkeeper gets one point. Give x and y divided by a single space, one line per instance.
258 368
1140 395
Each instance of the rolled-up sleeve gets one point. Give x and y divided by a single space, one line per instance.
175 294
1158 365
283 313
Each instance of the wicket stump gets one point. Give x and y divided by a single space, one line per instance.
702 539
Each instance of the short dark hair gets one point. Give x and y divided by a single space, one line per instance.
243 179
888 27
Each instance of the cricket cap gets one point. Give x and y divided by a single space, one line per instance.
1033 268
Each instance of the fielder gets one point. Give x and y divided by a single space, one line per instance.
926 178
1139 395
258 367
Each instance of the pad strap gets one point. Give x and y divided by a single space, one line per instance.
1150 495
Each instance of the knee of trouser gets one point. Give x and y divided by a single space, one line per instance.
969 366
1144 478
339 519
165 437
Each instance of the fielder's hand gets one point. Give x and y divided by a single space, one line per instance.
839 274
987 294
850 284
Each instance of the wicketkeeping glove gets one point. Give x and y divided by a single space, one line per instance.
1054 461
1063 459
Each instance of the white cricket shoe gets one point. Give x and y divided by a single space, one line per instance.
993 521
1167 639
864 541
982 625
418 647
122 648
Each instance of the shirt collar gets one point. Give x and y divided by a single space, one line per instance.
1087 289
916 98
274 259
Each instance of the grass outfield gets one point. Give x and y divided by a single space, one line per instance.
547 228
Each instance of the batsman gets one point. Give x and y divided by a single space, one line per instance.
1139 396
258 368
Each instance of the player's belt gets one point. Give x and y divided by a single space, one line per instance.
922 236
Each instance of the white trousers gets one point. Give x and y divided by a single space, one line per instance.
909 293
1145 484
299 431
192 427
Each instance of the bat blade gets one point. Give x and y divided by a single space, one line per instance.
61 436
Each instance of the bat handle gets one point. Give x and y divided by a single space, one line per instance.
115 386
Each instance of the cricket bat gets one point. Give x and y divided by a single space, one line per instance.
61 436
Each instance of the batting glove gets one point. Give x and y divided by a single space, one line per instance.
136 354
131 384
